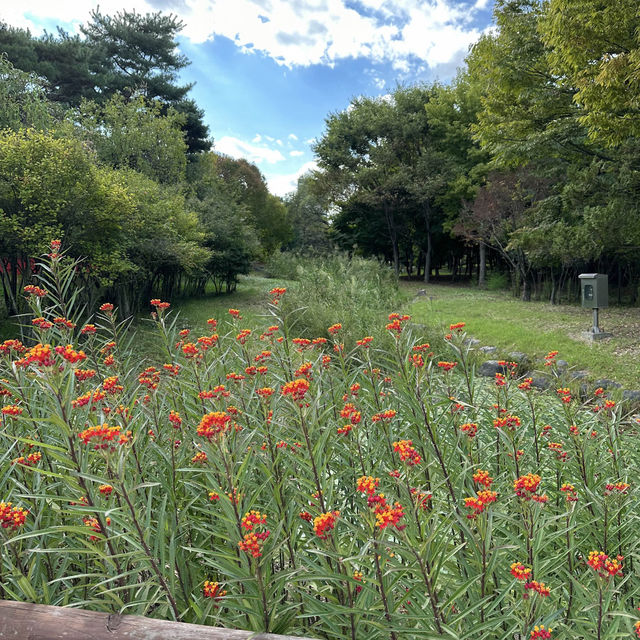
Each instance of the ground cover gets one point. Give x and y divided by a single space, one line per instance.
498 319
262 480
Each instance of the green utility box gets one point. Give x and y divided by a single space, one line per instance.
595 290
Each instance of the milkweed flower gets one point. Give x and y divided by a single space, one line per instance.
12 410
29 461
407 452
213 590
605 566
105 489
383 415
480 502
334 328
159 305
388 515
32 290
12 517
458 326
107 307
520 571
296 389
540 633
199 458
447 366
619 488
526 486
104 437
213 424
367 484
539 587
253 518
470 429
483 478
365 342
324 524
570 491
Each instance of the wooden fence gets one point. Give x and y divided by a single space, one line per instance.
24 621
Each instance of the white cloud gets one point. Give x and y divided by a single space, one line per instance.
298 32
295 153
281 185
237 148
292 136
310 141
258 138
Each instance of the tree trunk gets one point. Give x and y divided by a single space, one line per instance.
427 256
482 268
393 235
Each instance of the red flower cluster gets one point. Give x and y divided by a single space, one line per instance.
447 366
32 290
396 323
39 355
507 422
296 389
213 590
520 571
527 486
367 484
104 437
407 452
479 503
482 478
570 491
159 305
12 517
470 428
605 566
30 461
214 424
365 342
252 519
334 328
324 524
539 587
540 633
383 415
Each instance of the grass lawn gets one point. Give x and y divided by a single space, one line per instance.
498 319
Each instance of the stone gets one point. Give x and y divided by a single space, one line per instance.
562 364
421 292
518 356
605 383
490 368
631 395
488 349
578 375
472 342
541 382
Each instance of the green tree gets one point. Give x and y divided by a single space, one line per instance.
135 134
307 213
23 102
594 45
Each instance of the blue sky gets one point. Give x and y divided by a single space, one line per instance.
268 72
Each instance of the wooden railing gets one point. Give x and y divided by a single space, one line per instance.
24 621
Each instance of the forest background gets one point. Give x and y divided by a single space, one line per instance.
522 172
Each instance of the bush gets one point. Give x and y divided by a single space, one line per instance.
497 281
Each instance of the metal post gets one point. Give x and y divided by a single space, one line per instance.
596 328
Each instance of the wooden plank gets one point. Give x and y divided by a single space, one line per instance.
25 621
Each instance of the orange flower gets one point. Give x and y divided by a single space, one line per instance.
480 502
365 342
324 524
159 305
520 571
84 374
12 517
12 410
234 313
107 307
334 328
214 424
538 587
296 389
383 415
252 519
540 633
605 566
199 458
32 290
407 452
105 489
447 366
213 590
482 477
527 485
104 437
458 326
367 484
88 329
470 428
